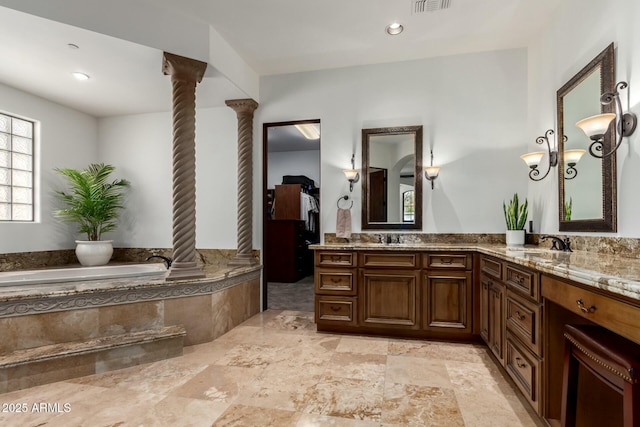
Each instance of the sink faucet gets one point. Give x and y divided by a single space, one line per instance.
558 243
166 260
393 238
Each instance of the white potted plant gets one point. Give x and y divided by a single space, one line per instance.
515 215
94 204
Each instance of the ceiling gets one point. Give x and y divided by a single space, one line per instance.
273 37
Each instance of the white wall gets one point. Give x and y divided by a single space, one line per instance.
306 162
64 138
565 46
473 109
141 146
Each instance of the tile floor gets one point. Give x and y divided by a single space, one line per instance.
291 296
276 370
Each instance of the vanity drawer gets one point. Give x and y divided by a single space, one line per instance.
336 310
523 320
525 370
389 259
336 259
335 281
460 261
491 267
522 280
613 314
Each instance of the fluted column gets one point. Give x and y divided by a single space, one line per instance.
244 109
185 74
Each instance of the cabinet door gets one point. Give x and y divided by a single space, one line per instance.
388 298
446 301
485 294
496 320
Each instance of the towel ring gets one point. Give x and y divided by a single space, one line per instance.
344 198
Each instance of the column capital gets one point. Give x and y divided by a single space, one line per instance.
246 105
183 68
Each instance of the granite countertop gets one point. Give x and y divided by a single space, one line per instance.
213 273
613 273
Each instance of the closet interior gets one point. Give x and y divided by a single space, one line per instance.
293 210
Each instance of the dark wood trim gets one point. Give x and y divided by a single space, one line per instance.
265 156
417 224
608 222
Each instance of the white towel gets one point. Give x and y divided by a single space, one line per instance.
343 223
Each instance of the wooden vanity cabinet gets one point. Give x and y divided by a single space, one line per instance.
410 293
447 285
389 290
511 322
335 283
492 306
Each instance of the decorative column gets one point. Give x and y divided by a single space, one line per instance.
244 109
185 74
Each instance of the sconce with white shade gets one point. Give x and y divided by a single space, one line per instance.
533 159
595 127
431 172
352 174
571 158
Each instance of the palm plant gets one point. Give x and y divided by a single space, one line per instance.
515 214
93 202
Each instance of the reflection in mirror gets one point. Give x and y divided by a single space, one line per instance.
586 188
392 185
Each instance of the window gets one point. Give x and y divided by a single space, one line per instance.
408 211
16 169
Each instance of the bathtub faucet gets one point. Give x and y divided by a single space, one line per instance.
166 260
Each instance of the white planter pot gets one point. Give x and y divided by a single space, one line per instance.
515 238
92 253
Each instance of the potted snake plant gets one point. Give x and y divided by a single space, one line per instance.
94 203
515 215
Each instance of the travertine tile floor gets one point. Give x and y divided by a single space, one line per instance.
276 370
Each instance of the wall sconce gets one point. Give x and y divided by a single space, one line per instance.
533 159
352 174
571 158
431 172
595 127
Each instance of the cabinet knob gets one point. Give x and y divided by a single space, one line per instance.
519 315
446 260
585 309
335 308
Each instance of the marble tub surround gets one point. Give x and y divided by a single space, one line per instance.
33 260
52 317
245 378
207 258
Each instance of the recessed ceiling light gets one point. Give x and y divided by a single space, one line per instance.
80 76
394 29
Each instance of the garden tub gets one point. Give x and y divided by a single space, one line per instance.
77 274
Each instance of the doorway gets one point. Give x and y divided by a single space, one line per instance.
291 213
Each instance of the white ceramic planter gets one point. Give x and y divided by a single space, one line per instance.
515 238
92 253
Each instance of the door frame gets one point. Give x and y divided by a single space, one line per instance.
265 175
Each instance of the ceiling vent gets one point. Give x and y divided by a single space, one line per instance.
421 6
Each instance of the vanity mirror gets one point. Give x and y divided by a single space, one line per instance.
588 197
392 178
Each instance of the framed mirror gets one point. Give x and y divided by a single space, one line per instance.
392 178
587 189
